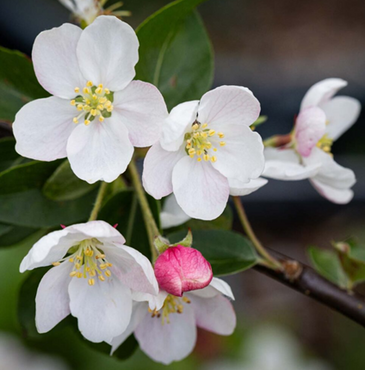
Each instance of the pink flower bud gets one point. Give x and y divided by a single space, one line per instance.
181 269
309 129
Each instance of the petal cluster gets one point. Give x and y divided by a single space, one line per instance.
97 113
166 327
323 118
205 147
93 278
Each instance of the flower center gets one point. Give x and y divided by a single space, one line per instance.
93 101
171 305
88 260
201 141
325 144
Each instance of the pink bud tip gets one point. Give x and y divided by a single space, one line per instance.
115 226
63 226
181 269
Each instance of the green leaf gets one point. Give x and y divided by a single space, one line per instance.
18 83
327 264
228 252
8 155
11 234
175 52
65 185
223 222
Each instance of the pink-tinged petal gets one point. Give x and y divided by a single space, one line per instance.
310 127
172 214
322 92
335 195
330 173
55 62
42 128
284 164
132 268
103 310
201 191
216 287
142 109
99 151
157 170
239 188
139 311
177 123
180 269
171 341
52 300
107 52
214 314
155 302
228 105
242 157
341 113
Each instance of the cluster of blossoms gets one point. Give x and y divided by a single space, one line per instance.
201 153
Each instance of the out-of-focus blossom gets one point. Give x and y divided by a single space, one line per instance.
172 214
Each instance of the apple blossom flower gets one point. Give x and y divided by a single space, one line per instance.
322 120
204 146
166 326
181 269
97 113
93 277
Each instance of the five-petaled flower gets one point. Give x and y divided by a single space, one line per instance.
93 278
97 113
207 148
166 326
321 121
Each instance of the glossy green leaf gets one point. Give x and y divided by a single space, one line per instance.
63 184
327 264
12 234
175 52
8 155
18 83
228 252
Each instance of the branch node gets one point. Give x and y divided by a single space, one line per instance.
292 269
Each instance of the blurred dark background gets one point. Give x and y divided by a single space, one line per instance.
278 49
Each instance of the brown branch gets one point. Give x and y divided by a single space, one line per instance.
305 280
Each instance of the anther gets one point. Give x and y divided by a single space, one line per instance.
87 122
85 90
213 158
56 263
73 273
107 273
91 282
75 120
204 125
79 275
73 102
77 89
221 135
206 157
101 278
199 159
211 132
222 143
195 126
101 119
89 83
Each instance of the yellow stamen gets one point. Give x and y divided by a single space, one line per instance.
213 158
75 120
89 83
107 273
85 90
91 282
221 135
101 278
56 263
204 125
101 119
211 132
73 102
206 157
77 89
87 122
222 143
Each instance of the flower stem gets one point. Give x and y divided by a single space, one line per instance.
269 261
152 229
278 140
98 201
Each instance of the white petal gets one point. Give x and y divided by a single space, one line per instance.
42 128
154 301
157 170
341 113
100 151
177 123
214 314
103 310
142 109
216 286
284 164
228 105
132 268
172 214
107 52
335 195
242 157
322 92
52 300
139 311
310 127
169 342
55 62
200 190
330 173
239 188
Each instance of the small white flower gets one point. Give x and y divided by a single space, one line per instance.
206 146
93 277
321 121
166 327
86 10
97 112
